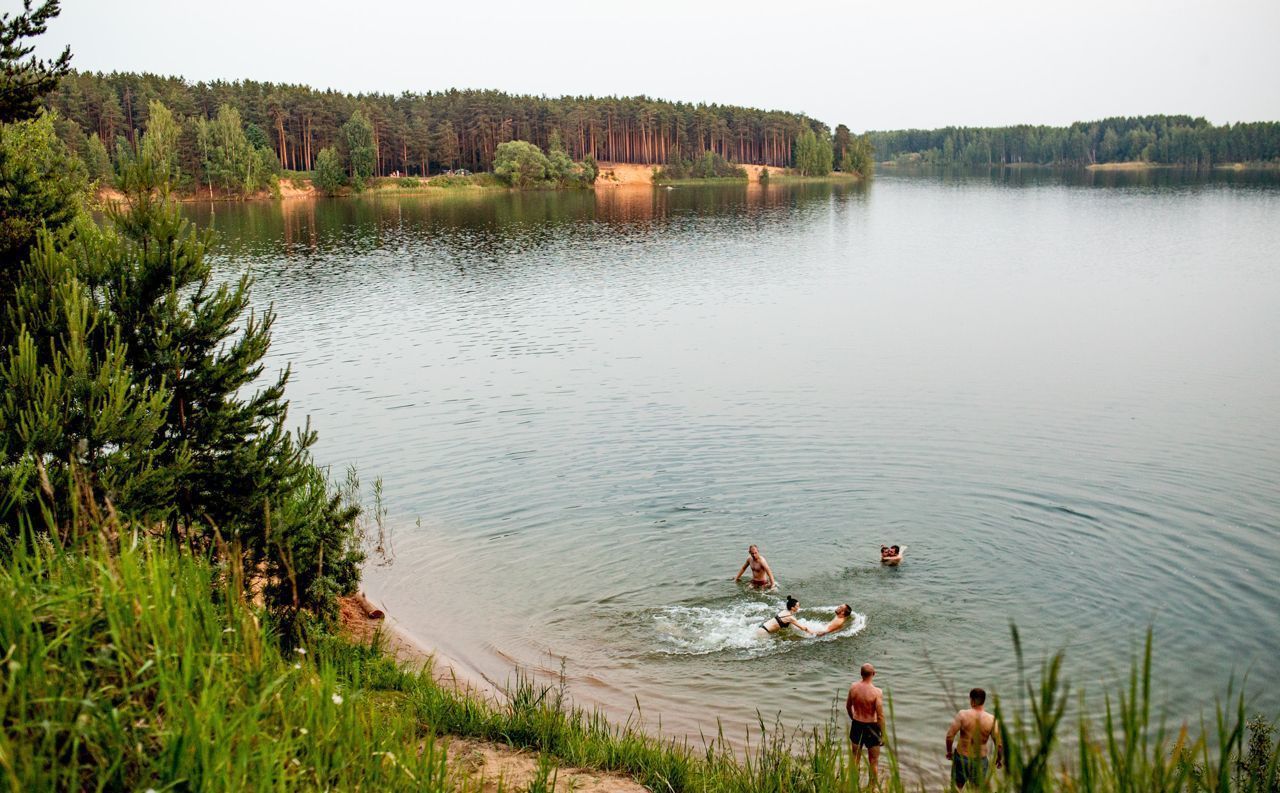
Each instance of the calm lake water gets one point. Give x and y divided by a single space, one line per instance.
1060 394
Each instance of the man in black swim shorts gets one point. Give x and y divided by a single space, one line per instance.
975 728
865 705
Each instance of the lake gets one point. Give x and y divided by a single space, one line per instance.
1060 393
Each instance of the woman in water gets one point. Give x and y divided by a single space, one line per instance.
784 619
843 612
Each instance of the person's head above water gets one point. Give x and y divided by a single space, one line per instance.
977 697
844 610
895 549
868 671
753 551
792 603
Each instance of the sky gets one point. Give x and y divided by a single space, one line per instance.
882 65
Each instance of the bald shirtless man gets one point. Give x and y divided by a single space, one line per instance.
761 574
975 727
865 705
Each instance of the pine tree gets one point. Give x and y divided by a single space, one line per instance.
74 413
238 473
24 84
444 145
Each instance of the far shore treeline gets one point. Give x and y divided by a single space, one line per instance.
1158 140
418 134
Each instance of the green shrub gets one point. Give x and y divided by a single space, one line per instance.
329 174
519 163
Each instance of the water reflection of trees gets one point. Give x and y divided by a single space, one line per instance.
487 224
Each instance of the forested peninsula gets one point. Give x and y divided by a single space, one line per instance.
1155 140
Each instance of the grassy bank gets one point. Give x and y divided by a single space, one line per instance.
127 666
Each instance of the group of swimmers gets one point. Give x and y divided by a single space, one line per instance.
762 578
973 727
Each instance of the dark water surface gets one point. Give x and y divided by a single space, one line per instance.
1062 397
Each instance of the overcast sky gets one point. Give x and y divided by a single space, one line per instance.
882 65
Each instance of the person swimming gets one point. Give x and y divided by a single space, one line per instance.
843 612
891 554
784 619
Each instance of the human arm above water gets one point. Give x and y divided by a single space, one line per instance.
741 570
835 625
793 622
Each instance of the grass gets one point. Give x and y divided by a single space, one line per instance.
126 667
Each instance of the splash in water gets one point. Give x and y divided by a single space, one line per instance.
699 630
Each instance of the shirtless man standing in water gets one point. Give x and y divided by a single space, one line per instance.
865 705
975 727
761 575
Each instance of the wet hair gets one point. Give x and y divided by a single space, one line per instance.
977 696
791 602
848 610
895 549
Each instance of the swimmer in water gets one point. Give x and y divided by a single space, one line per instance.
843 612
784 619
891 555
761 574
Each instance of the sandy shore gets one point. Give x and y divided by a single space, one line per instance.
1121 166
623 174
496 766
412 652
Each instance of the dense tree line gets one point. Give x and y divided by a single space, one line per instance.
1166 140
424 133
130 378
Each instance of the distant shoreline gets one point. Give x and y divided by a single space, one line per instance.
612 175
1129 165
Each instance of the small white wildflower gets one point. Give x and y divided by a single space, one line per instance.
294 761
337 699
302 731
150 790
228 630
297 666
300 650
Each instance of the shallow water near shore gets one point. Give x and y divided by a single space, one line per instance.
1060 394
